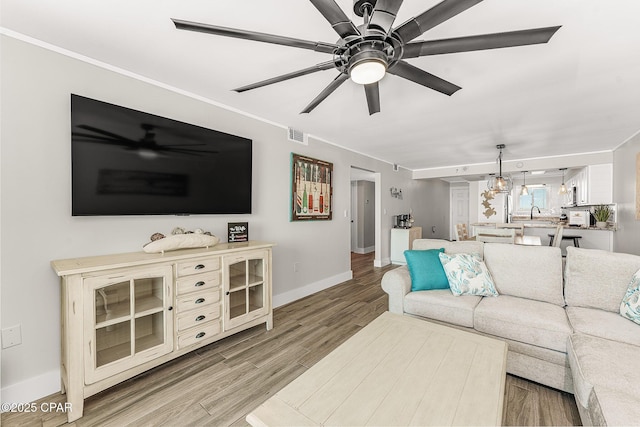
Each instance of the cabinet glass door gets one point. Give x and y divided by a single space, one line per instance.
131 316
246 289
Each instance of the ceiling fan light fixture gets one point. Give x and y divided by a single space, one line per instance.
367 67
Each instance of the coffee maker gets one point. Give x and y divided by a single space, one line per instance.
402 221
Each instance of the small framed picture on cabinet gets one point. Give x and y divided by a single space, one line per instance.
238 232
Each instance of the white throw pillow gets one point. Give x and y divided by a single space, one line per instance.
468 275
630 305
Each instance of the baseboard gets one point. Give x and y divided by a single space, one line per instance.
32 389
312 288
362 251
381 262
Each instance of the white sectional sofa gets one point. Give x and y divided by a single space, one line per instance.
564 332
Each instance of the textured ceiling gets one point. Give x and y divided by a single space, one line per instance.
579 93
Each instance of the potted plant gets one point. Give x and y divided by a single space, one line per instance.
602 213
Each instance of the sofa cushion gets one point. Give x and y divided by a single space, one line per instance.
519 319
604 363
603 324
532 272
630 305
467 275
426 270
442 305
466 247
596 278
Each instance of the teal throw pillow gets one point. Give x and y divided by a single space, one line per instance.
426 270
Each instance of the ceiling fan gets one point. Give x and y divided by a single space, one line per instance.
146 147
367 52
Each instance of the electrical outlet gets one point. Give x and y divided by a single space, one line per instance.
296 267
11 336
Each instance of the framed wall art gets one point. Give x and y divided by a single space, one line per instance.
311 189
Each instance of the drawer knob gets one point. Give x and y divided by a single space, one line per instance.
200 300
201 334
199 267
199 318
198 284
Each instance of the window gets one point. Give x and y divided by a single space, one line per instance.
538 196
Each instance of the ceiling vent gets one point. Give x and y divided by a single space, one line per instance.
298 136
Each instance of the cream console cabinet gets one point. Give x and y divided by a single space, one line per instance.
124 314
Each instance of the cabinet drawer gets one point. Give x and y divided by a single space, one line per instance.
197 300
195 335
198 317
201 265
197 282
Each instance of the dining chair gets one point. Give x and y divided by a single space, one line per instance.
495 235
557 237
462 232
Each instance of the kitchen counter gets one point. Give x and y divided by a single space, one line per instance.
553 225
591 237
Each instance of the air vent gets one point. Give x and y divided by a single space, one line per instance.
298 136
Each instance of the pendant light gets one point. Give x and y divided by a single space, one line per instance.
500 184
524 191
563 188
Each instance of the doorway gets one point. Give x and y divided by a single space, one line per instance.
363 211
459 197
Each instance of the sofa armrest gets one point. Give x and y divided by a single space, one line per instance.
397 283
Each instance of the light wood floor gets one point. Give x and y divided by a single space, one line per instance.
219 384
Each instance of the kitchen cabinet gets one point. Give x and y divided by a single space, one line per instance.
594 185
124 314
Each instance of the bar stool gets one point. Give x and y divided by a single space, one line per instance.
574 237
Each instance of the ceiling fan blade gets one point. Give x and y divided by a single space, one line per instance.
187 151
255 36
480 42
96 138
318 67
336 17
416 75
439 13
107 133
373 97
326 92
383 15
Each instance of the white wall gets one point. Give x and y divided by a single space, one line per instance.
431 207
36 220
627 238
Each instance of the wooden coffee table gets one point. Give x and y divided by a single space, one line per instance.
397 370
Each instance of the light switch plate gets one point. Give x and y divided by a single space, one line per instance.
11 336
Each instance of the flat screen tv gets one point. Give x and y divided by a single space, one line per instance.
127 162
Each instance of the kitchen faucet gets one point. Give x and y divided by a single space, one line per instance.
532 208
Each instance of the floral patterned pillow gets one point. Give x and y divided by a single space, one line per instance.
467 275
630 305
